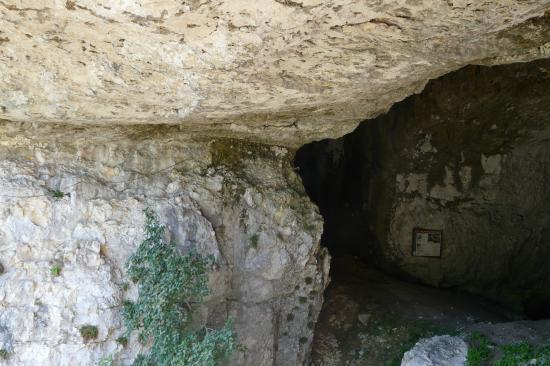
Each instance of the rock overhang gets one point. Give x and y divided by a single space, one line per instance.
280 71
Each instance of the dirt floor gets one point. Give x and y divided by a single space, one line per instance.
371 319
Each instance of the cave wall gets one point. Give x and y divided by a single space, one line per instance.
470 156
241 202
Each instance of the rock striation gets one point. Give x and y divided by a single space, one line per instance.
281 71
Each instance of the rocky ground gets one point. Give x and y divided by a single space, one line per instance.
371 319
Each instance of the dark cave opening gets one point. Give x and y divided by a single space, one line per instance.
332 180
469 158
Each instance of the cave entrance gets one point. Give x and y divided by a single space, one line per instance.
466 164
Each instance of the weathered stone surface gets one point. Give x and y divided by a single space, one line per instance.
437 351
240 202
285 71
526 331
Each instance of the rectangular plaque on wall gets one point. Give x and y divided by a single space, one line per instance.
427 243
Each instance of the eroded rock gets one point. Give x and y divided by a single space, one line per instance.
213 197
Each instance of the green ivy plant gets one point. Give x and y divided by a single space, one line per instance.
170 287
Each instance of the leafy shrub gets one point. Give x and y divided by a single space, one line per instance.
170 287
88 332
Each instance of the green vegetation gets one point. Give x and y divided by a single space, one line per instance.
57 194
4 354
107 361
55 270
88 332
123 341
171 286
410 332
524 354
479 350
254 241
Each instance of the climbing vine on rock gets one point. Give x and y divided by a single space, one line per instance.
170 287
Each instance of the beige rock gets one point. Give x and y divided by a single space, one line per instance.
213 197
285 71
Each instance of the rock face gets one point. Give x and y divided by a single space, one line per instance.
469 156
531 332
240 202
437 351
279 70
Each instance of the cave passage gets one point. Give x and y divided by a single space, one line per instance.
450 189
468 162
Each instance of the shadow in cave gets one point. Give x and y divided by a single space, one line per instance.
468 158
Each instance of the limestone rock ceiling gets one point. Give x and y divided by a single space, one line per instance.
286 71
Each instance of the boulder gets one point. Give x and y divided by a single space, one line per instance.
443 350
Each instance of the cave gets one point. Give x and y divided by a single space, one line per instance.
231 132
448 190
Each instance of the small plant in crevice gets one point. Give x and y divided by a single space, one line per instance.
254 241
123 341
170 288
88 332
55 270
4 354
56 193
